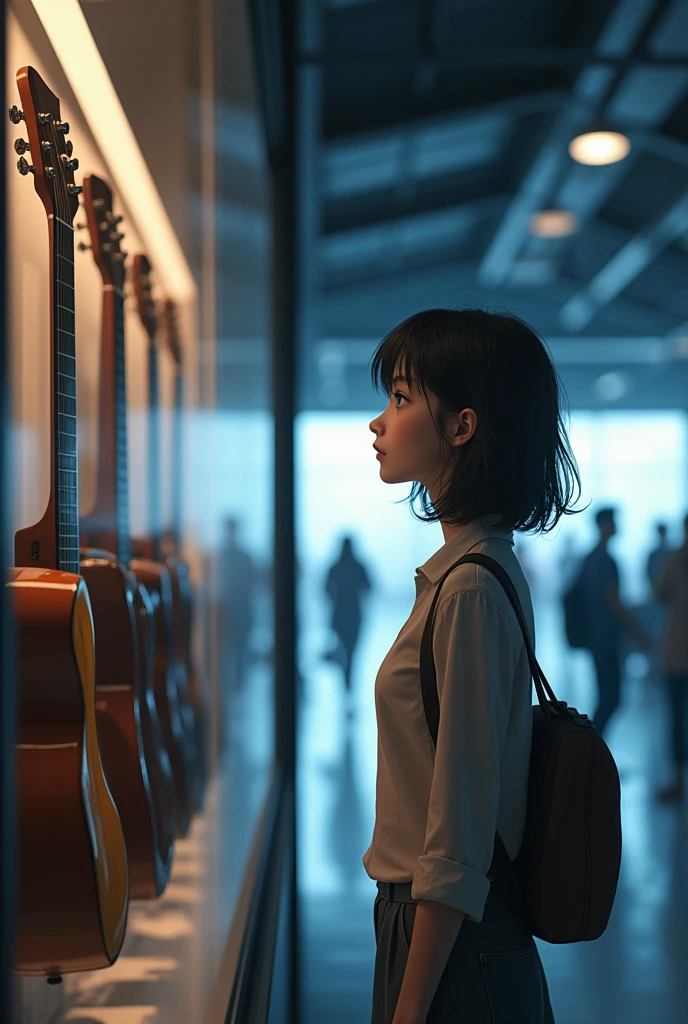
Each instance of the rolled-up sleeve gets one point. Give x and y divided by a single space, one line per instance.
474 652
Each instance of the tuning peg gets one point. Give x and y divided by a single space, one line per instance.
120 256
45 118
114 221
71 165
69 147
16 115
49 172
116 236
108 247
74 190
46 146
83 247
24 167
21 146
62 126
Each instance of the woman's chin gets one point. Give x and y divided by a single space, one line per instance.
389 477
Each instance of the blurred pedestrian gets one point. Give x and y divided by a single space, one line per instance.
568 563
654 610
347 582
606 617
658 555
671 587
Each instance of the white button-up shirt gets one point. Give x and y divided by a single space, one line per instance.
436 811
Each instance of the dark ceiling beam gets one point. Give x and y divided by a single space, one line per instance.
513 107
625 266
483 206
618 40
532 58
663 146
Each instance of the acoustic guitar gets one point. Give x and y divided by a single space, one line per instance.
182 590
171 692
134 755
73 882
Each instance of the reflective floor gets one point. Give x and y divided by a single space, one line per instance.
637 973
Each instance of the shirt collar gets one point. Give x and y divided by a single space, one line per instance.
468 537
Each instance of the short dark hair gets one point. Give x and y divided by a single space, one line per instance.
603 515
519 464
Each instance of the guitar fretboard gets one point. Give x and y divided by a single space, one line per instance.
153 446
177 458
64 352
121 468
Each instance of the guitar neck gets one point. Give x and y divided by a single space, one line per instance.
121 461
107 526
177 458
65 471
154 503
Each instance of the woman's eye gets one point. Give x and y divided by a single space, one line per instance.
397 396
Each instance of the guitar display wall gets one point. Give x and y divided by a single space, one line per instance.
29 319
176 76
31 382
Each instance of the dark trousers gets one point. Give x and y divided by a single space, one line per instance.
608 671
493 976
678 700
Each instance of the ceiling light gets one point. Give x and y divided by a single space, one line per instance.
599 147
83 65
679 345
553 224
612 386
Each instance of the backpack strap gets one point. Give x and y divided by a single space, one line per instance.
501 868
428 675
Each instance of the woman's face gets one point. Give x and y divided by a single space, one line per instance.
406 437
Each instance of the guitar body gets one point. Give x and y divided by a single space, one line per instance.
121 708
73 879
199 717
170 702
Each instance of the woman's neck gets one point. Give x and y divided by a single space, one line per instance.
450 530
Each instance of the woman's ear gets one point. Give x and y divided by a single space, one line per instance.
461 426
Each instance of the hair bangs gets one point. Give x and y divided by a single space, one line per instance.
398 351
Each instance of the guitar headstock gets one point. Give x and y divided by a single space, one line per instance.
171 323
103 228
52 164
144 295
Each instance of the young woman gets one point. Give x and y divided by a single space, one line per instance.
474 422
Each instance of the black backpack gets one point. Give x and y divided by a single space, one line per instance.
563 883
576 612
